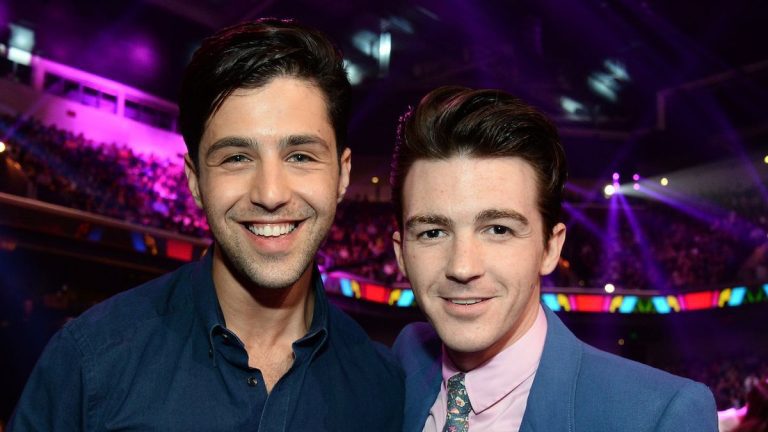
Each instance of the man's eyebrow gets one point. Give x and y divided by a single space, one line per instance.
495 214
427 219
234 141
296 140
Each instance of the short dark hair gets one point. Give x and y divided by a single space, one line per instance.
251 54
459 121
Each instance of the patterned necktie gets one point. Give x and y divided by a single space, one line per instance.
458 405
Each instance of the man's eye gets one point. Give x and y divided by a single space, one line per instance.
300 157
500 230
432 234
238 158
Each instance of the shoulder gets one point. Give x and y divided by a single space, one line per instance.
86 359
121 315
623 388
618 371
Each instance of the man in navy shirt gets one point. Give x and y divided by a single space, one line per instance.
244 339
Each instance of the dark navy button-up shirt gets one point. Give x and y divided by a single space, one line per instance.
159 357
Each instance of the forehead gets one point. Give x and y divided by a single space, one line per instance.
463 186
283 106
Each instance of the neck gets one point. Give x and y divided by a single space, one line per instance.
261 316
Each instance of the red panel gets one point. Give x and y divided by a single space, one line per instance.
178 249
375 293
698 300
589 303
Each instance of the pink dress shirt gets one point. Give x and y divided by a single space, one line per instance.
498 389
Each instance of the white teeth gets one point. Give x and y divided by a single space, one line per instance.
466 301
271 230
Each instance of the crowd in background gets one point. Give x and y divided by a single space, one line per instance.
665 249
104 178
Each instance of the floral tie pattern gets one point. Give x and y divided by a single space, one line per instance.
458 405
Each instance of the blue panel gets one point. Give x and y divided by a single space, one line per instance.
138 242
737 296
346 287
406 298
551 301
628 304
661 305
765 288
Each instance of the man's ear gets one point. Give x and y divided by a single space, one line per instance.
345 166
553 248
192 181
397 243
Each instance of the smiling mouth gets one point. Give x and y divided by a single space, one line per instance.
466 302
272 230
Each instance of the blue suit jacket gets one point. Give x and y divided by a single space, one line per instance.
577 388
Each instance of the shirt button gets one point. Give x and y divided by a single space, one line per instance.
252 381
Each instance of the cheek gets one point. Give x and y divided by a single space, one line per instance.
423 266
219 192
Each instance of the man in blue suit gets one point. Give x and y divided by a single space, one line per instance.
477 185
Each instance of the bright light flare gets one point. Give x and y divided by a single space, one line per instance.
609 288
664 181
354 72
374 180
609 190
2 147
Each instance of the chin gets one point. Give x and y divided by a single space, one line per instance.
464 345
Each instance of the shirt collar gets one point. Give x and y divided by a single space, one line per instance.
209 312
490 382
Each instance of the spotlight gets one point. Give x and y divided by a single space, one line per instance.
2 147
615 176
636 177
374 180
636 186
609 190
621 342
765 159
354 72
664 181
609 288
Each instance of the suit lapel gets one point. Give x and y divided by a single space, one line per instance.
424 385
418 348
550 406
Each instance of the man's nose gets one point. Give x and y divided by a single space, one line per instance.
270 188
465 263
